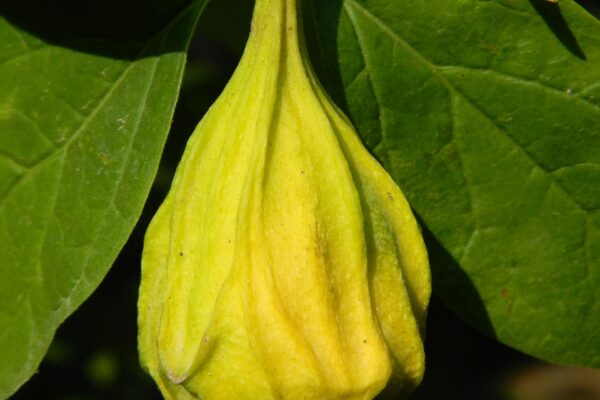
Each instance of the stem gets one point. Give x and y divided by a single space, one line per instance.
275 36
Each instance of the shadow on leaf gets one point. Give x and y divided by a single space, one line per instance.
450 281
112 28
552 16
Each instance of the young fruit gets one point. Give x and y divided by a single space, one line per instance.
284 263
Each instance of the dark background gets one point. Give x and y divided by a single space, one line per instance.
94 354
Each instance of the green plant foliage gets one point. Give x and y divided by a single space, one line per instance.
487 113
87 92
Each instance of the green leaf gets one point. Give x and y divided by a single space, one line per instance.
87 95
487 113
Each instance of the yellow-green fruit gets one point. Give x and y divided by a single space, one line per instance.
284 263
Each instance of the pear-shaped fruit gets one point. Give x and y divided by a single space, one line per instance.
285 263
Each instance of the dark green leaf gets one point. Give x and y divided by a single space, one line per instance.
487 113
87 91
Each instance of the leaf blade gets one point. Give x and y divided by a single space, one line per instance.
81 133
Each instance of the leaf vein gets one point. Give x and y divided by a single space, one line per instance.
36 127
453 89
366 67
71 139
111 204
23 55
587 89
356 77
523 81
54 200
523 148
13 162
